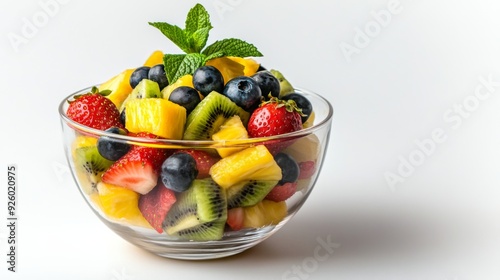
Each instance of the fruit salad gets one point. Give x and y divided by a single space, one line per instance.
217 93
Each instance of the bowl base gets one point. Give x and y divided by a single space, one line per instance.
232 243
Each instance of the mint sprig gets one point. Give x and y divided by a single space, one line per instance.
193 39
231 47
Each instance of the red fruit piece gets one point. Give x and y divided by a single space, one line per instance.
282 192
95 111
235 218
138 169
155 205
204 161
275 117
157 156
307 169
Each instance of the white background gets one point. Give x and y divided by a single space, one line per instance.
441 223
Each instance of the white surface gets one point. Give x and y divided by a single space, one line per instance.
441 223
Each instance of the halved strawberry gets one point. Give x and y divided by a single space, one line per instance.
155 205
138 169
235 218
307 169
275 117
94 110
204 160
156 155
282 192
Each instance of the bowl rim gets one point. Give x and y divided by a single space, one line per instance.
172 143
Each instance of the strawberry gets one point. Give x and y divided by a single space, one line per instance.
94 110
155 205
275 117
307 169
282 192
204 161
138 169
235 217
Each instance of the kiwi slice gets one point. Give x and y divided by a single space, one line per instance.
210 114
285 86
248 193
208 231
90 165
145 89
199 213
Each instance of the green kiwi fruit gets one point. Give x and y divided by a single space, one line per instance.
285 86
208 231
210 114
199 213
145 89
248 193
90 165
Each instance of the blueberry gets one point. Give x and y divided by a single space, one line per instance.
157 74
289 168
268 84
112 149
178 172
261 68
207 79
302 102
244 91
138 75
122 117
187 97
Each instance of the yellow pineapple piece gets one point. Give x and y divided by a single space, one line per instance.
254 163
157 116
264 213
154 59
305 148
251 66
119 86
232 129
120 204
232 67
94 197
310 120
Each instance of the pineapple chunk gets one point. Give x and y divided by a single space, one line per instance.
157 116
310 120
254 163
232 129
305 149
119 86
154 59
264 213
251 66
232 67
120 204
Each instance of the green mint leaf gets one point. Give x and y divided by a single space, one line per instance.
197 19
199 38
214 55
175 34
178 65
232 47
198 27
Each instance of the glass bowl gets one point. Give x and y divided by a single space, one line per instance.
307 145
